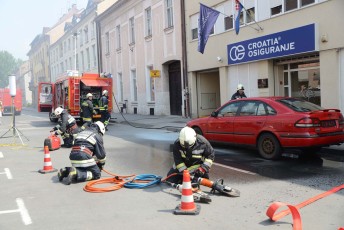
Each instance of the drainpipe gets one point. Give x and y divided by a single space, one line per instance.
184 60
99 47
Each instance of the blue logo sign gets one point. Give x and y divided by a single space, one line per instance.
294 41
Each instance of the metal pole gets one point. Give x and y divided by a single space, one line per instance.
75 36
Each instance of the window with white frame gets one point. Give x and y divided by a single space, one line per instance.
88 58
77 61
81 40
148 13
281 6
134 85
169 13
82 61
120 86
69 46
66 64
107 43
94 55
132 30
93 30
86 33
150 82
70 63
118 37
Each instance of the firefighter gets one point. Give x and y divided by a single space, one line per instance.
192 152
88 156
239 93
103 107
66 127
87 111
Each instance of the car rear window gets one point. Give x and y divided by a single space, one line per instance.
299 105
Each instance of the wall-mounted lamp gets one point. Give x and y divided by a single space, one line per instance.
219 59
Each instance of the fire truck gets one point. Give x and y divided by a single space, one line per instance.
6 100
70 90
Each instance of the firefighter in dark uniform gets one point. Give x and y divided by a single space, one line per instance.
88 156
66 127
192 152
87 111
239 93
103 107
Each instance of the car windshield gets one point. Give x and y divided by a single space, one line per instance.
299 105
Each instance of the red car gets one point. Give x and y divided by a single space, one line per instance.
272 124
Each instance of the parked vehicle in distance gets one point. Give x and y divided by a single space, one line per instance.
272 124
6 99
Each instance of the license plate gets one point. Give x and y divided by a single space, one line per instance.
330 123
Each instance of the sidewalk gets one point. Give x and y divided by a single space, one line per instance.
171 123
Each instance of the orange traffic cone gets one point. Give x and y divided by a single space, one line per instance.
187 206
48 166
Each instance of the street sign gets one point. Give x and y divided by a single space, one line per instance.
155 73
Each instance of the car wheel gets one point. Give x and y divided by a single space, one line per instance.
269 147
198 130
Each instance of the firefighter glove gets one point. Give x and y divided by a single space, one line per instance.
100 165
199 172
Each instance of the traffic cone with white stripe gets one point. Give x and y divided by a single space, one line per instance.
187 206
48 166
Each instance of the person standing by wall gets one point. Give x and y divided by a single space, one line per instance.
239 93
104 108
87 111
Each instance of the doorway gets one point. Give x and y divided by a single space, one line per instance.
175 87
208 92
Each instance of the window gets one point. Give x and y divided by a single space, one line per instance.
82 61
132 30
86 34
120 86
81 40
169 13
148 21
250 15
290 5
150 85
94 55
134 85
69 46
118 37
229 110
77 61
88 58
194 33
107 43
306 2
276 10
92 30
249 108
61 50
70 63
228 21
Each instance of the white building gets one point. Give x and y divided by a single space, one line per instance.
141 46
282 46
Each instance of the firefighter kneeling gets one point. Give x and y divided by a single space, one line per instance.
67 127
88 145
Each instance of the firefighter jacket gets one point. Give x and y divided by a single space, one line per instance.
237 95
66 123
88 147
103 103
201 154
87 110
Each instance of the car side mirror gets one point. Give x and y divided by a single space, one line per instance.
213 114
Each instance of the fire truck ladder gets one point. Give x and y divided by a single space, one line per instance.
76 97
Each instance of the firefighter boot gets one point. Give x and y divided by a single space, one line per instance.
72 175
63 172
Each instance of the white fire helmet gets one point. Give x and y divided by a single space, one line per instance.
100 126
187 137
240 87
58 111
89 95
105 92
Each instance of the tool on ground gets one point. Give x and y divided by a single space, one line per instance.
297 224
187 206
48 166
218 186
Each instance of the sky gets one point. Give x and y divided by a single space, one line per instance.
22 20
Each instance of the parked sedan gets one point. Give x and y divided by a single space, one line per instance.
272 124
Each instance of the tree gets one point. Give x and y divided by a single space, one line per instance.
8 66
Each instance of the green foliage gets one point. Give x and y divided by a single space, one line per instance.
8 66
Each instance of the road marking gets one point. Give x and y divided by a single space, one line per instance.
235 169
1 155
8 173
22 210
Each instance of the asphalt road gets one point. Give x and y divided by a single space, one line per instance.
31 200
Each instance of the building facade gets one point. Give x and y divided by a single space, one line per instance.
283 48
141 47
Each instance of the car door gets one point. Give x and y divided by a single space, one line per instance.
220 127
250 119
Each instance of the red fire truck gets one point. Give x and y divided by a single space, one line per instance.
70 90
6 99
